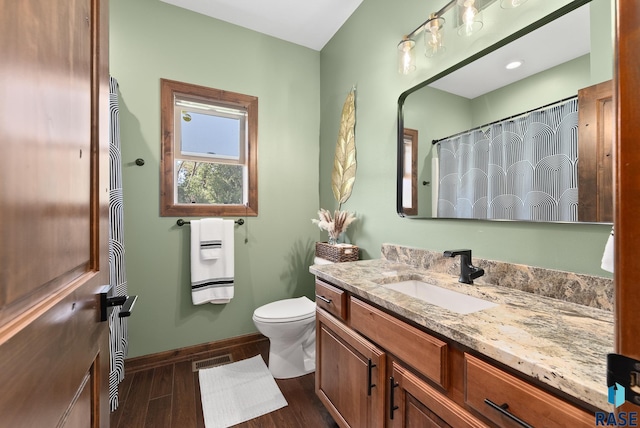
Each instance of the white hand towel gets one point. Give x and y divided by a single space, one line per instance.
211 238
607 257
212 281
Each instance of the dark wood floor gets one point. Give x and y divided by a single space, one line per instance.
169 397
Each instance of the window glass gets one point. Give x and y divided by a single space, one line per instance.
213 133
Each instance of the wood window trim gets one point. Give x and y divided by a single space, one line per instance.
412 136
168 208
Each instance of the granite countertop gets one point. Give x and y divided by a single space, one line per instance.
561 344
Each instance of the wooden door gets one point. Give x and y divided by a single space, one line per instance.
627 180
595 153
349 374
54 179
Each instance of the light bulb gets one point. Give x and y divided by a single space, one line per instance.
406 62
434 36
433 41
470 12
406 58
470 20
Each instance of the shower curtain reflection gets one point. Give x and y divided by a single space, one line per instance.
521 168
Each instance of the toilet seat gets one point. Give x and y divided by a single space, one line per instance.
286 310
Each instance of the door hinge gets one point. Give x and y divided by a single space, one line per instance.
624 371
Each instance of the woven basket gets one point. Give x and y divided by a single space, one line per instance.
337 253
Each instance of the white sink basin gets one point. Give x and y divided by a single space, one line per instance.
447 299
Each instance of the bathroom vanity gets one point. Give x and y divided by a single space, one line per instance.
390 358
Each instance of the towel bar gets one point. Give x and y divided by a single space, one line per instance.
182 222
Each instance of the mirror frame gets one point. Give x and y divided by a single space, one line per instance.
403 96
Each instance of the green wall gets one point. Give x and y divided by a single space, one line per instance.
301 93
362 53
151 40
434 114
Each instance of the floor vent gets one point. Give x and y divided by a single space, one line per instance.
212 362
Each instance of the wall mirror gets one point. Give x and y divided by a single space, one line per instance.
532 143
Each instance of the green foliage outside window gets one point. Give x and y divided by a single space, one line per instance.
209 183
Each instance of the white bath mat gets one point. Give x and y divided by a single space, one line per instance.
237 392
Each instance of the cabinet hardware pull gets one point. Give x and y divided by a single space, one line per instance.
503 409
324 299
369 384
392 386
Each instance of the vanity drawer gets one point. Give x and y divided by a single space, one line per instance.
331 299
423 352
486 384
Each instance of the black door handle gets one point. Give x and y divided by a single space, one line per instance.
106 301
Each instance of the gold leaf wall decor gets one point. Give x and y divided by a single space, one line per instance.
344 163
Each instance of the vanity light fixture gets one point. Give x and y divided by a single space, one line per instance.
433 28
510 4
406 56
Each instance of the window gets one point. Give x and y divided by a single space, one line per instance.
209 151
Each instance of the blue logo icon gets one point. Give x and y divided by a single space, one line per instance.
616 394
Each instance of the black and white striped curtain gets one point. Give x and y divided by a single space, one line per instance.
521 168
117 273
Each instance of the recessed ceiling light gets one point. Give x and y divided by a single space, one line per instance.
514 64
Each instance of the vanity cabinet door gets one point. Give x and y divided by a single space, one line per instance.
414 403
350 374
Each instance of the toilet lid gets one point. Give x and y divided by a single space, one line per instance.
286 310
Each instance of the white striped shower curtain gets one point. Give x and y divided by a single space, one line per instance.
117 273
520 168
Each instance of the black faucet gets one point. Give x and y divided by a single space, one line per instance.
468 272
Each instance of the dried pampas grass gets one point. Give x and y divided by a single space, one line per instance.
334 225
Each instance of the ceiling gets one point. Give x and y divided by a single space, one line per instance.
559 41
309 23
312 23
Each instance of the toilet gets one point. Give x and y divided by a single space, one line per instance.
290 325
